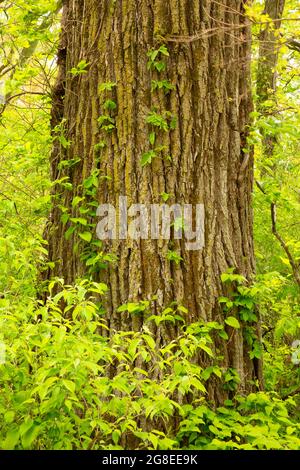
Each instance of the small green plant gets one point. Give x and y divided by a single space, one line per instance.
110 105
231 379
164 122
107 86
174 256
106 123
157 120
164 85
165 196
65 164
242 300
80 69
59 133
154 56
147 157
260 421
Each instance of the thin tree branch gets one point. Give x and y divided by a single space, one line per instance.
260 187
293 44
197 36
293 263
10 98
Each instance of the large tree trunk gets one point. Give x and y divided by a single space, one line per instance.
269 45
209 47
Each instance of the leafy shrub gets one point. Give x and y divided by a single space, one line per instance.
65 385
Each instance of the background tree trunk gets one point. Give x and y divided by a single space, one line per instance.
267 105
269 45
209 46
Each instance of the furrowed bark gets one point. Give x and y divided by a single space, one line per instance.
266 91
269 45
211 100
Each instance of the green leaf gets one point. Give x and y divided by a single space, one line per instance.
86 236
160 66
206 348
163 50
148 157
110 104
9 416
76 200
64 218
223 300
133 307
29 432
79 220
64 142
165 196
150 341
116 436
70 385
157 120
69 232
152 138
108 86
12 438
233 322
105 118
173 256
162 85
82 65
223 335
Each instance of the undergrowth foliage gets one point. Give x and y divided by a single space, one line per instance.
66 381
66 385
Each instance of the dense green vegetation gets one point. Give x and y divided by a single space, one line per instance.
56 388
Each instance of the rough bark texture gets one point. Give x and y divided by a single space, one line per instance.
266 93
269 45
209 46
